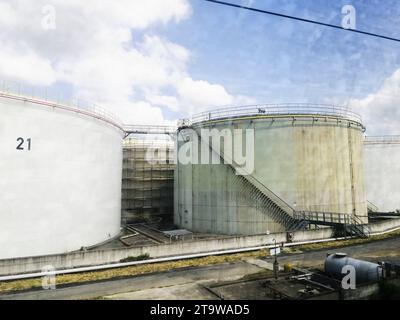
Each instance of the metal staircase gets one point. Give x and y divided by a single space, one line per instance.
256 193
343 224
259 195
358 228
300 225
278 210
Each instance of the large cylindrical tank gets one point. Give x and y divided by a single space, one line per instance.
365 271
147 180
60 185
310 158
382 172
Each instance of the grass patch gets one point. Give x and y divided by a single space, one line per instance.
141 257
345 243
18 285
258 275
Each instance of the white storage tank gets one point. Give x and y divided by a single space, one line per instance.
60 185
306 158
382 171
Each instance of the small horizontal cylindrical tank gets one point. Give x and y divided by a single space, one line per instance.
382 172
60 185
306 158
365 271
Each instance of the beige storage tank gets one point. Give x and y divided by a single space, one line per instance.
382 172
306 158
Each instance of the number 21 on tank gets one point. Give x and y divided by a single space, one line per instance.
24 144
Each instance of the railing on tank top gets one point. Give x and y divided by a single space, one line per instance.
77 106
277 109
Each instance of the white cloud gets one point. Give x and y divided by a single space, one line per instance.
8 16
92 50
141 113
170 102
381 110
194 96
197 95
27 67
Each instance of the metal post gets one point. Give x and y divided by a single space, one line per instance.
276 264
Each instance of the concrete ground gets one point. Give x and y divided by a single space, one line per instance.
191 283
188 291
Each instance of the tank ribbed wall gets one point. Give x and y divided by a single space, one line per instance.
313 163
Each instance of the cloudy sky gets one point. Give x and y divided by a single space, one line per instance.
156 61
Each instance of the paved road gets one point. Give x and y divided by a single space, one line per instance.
168 279
188 283
385 250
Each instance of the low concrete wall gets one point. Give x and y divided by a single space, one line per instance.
91 258
308 235
384 226
99 257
